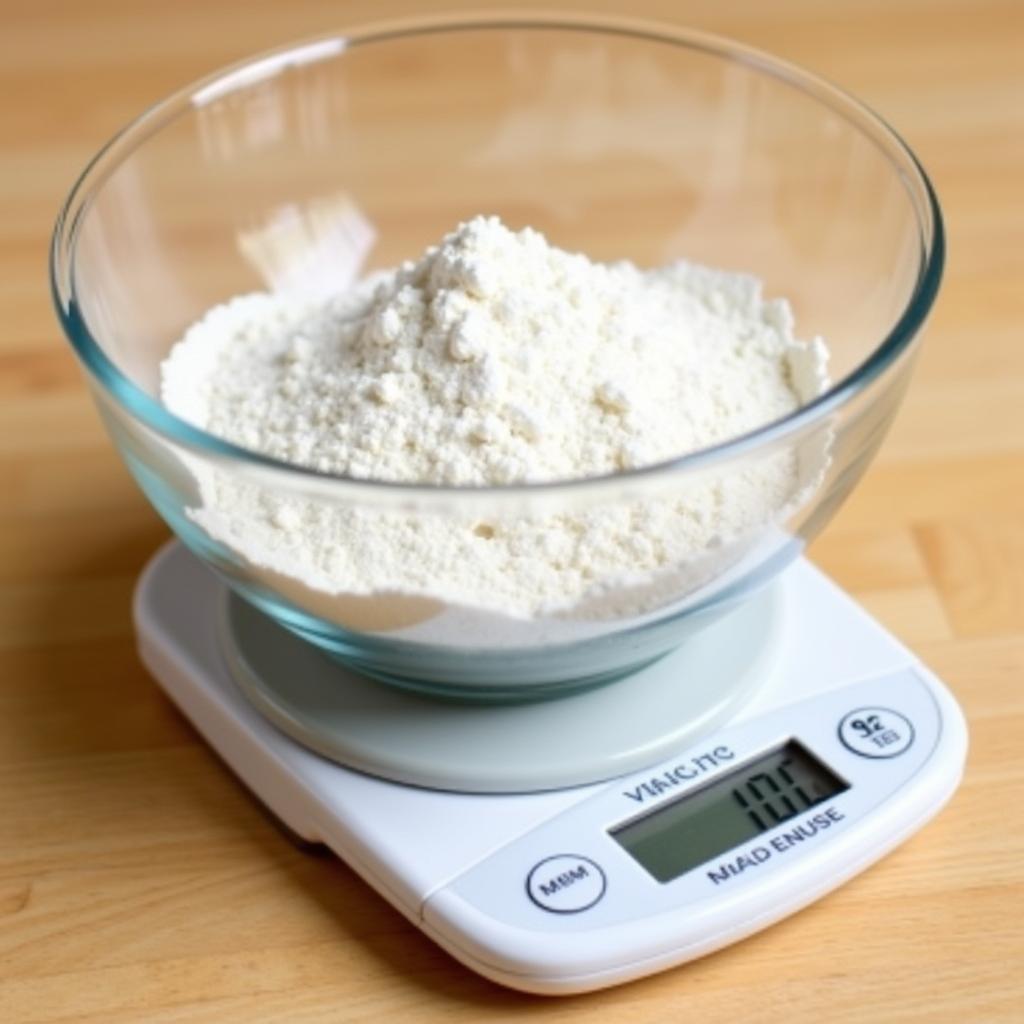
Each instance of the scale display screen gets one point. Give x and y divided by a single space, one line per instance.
738 807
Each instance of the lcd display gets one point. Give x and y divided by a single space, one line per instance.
707 822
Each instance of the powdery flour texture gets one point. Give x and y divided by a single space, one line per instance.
499 359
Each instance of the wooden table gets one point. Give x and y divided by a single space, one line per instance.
140 881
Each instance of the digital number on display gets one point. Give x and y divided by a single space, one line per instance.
739 806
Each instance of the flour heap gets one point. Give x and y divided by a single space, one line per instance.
497 359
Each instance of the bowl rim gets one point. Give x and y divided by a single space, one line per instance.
266 64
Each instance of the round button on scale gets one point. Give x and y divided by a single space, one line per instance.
566 883
876 732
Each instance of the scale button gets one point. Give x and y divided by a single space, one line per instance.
876 732
566 883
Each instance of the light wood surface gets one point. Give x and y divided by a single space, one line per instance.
140 882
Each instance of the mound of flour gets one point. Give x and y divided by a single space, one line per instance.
496 359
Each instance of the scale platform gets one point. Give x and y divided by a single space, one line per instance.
820 745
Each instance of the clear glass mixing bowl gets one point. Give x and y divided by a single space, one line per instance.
312 165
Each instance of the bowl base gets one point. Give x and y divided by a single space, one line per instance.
584 737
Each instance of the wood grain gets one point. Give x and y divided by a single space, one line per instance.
139 881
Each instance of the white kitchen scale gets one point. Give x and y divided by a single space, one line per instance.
780 752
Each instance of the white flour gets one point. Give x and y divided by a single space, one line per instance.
495 359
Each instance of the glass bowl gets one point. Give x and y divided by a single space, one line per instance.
310 166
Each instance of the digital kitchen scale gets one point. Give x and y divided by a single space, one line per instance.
787 747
